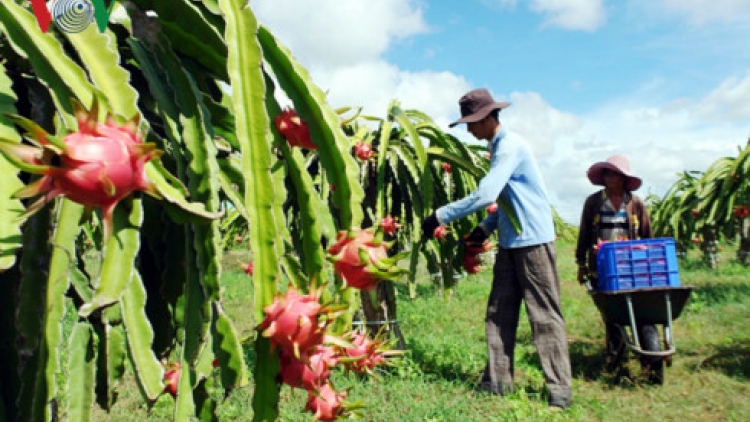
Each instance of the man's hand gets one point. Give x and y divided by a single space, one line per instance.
583 274
478 235
429 225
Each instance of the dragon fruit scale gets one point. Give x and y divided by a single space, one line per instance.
311 370
360 257
295 322
96 166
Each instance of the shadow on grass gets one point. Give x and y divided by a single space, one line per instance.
587 360
732 359
713 294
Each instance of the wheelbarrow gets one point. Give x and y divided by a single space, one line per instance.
636 314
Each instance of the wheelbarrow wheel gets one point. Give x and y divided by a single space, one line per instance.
651 366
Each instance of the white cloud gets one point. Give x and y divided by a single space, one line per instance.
586 15
373 84
331 33
701 12
661 140
728 102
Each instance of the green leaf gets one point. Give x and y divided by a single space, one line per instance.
98 53
81 373
58 283
173 193
10 209
119 259
191 32
112 353
228 351
148 370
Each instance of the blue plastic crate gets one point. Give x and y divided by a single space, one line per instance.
637 264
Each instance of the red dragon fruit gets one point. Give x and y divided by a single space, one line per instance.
741 211
172 378
311 370
325 403
360 257
471 263
440 232
294 129
492 208
389 225
447 168
363 151
249 268
96 166
295 322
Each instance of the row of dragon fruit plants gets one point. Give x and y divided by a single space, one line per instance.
704 208
126 143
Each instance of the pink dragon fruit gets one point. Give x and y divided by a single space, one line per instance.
363 151
294 322
364 355
492 208
172 378
325 403
96 166
389 225
471 264
311 370
440 232
294 129
249 268
360 257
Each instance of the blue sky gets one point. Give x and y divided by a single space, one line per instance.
666 82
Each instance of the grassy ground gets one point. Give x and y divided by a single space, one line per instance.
709 379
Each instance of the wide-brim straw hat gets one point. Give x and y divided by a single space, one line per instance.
476 105
618 163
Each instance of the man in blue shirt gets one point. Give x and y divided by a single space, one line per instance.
525 267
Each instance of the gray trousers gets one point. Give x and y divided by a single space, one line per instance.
530 275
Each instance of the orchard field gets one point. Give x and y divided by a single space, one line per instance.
709 379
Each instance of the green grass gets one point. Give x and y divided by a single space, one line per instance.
709 379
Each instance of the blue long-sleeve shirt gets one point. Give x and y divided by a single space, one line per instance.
515 176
